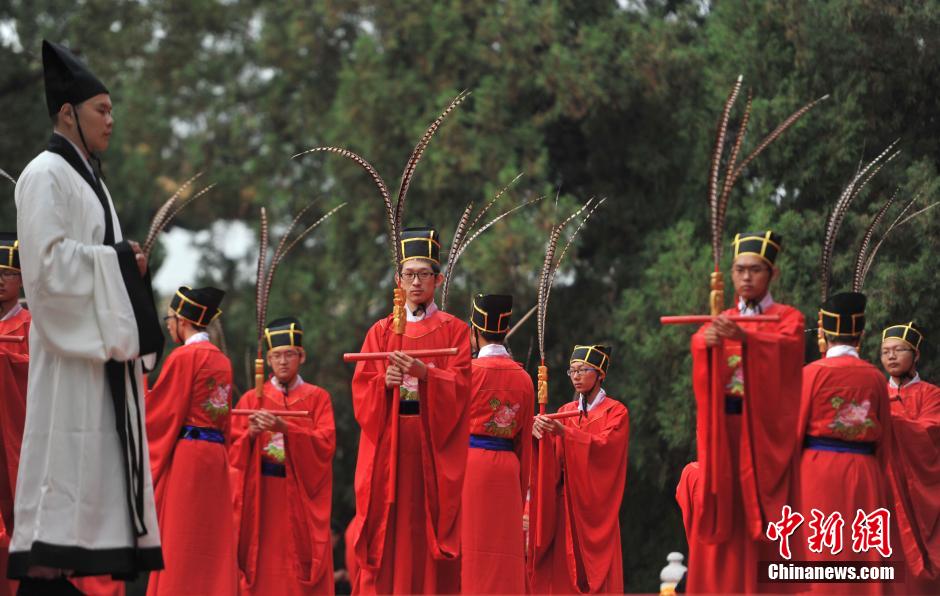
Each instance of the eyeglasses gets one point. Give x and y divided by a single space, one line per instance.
894 351
168 317
9 274
423 276
285 355
754 270
579 372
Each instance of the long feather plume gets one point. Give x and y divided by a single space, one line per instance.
416 155
898 222
3 174
394 244
452 263
150 241
859 279
549 265
459 234
713 183
161 218
259 286
834 222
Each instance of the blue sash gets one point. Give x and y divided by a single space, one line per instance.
490 443
270 468
838 445
201 433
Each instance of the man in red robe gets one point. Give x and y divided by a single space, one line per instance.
582 484
188 426
502 397
413 452
845 431
915 457
746 378
14 368
282 476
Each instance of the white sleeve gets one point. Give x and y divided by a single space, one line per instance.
75 290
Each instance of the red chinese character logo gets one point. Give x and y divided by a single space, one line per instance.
872 531
826 532
783 529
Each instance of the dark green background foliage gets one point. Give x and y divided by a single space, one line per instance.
584 96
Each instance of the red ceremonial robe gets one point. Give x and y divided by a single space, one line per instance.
190 476
14 369
492 551
581 494
283 522
915 480
408 540
844 398
745 459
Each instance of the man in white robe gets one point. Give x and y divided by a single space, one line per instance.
84 498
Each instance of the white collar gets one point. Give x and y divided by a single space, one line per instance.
298 381
601 394
916 379
13 312
79 152
841 350
427 314
196 338
766 302
490 350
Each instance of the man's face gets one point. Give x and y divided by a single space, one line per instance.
418 290
897 357
285 363
171 320
94 116
582 376
751 276
10 284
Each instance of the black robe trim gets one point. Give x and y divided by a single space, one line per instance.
121 563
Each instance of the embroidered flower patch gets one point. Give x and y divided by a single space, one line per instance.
851 419
217 404
275 447
503 422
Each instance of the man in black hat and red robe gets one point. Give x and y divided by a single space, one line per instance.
84 499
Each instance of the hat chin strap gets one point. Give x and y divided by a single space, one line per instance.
81 135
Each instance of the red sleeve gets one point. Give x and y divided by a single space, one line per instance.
167 406
773 362
595 478
445 417
310 444
14 370
543 500
915 480
370 397
523 440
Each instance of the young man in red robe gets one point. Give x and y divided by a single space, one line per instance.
413 452
915 458
845 431
188 426
501 401
283 476
585 460
746 378
14 368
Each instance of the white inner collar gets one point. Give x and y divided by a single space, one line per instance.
766 302
79 152
196 338
491 350
841 350
13 312
298 381
427 314
601 394
916 379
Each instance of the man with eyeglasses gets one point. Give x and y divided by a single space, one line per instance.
502 398
406 533
588 460
915 457
188 426
283 476
746 378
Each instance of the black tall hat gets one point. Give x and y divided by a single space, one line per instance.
285 332
9 251
491 313
67 79
421 243
596 356
199 307
908 333
844 314
765 245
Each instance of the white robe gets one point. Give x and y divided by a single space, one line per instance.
71 507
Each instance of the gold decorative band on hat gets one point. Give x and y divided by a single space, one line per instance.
268 334
908 330
838 319
205 310
431 242
585 360
765 241
8 262
486 321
